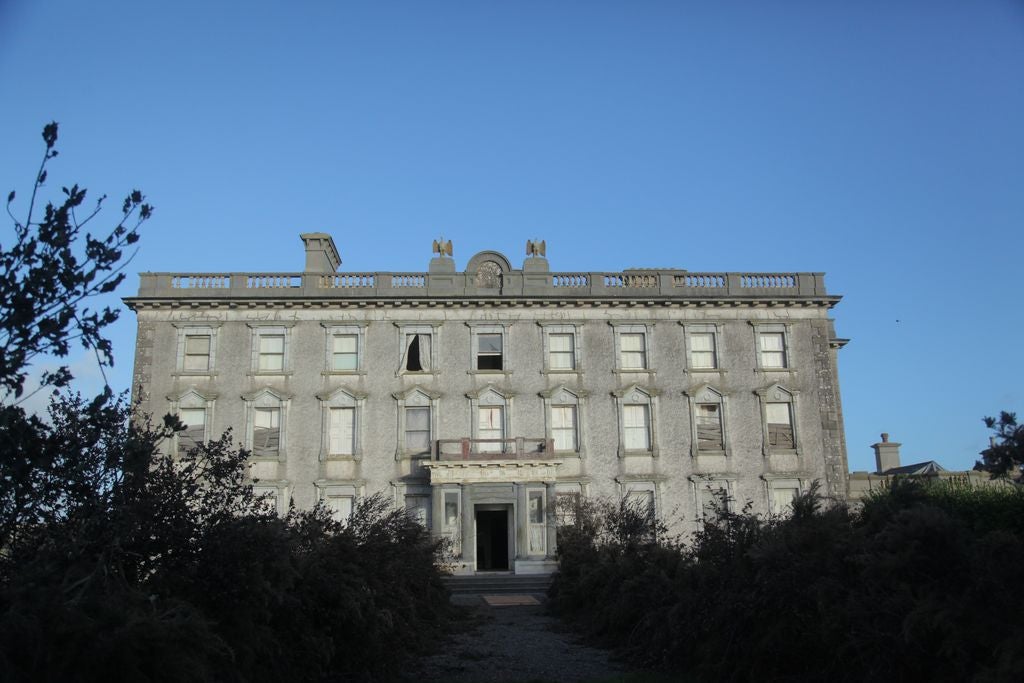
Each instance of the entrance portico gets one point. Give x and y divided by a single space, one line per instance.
497 509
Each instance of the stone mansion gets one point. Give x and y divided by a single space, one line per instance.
476 398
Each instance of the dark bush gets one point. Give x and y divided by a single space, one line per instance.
918 586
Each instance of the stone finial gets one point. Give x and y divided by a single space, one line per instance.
442 248
536 248
887 454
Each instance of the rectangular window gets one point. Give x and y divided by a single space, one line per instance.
417 353
637 427
562 351
537 522
197 352
633 351
641 501
418 507
417 430
342 431
709 427
563 428
782 496
266 432
345 352
773 349
269 495
271 352
714 500
195 429
340 507
780 425
567 501
491 426
489 352
702 351
452 527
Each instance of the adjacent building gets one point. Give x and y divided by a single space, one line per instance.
477 398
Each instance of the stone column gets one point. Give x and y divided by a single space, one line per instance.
522 521
468 539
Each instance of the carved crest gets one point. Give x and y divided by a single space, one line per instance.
442 248
536 248
488 275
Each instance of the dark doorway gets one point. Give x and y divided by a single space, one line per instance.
491 540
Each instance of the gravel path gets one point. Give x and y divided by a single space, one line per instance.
520 643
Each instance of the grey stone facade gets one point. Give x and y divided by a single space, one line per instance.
477 397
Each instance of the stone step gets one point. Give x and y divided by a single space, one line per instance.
499 584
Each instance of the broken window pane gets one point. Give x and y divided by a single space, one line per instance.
709 427
489 352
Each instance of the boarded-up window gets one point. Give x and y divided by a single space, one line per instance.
709 427
637 427
342 431
271 352
563 428
714 499
562 351
195 429
780 425
340 507
266 432
633 351
345 352
197 352
641 501
782 496
773 349
417 429
702 351
491 426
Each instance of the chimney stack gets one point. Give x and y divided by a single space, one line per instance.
887 454
321 254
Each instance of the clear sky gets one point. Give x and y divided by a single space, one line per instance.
881 142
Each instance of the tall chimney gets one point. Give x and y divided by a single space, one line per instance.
321 254
887 454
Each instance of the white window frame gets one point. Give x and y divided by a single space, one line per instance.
638 395
332 330
277 489
692 329
776 393
549 330
453 532
328 489
481 328
189 330
703 488
644 328
537 532
781 483
560 397
491 397
260 330
342 398
405 330
416 397
629 488
783 329
192 399
267 398
706 394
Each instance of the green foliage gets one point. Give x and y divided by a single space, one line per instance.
1005 456
913 588
119 562
49 269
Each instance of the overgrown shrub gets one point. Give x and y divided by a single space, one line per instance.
129 565
919 586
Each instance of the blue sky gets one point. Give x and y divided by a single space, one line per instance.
880 142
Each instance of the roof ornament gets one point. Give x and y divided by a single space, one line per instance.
536 248
442 248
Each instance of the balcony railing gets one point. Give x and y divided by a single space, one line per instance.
518 448
637 285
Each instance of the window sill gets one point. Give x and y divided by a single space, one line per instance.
635 371
270 373
783 451
488 372
281 457
633 454
417 373
791 370
575 371
342 373
697 371
194 373
340 458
